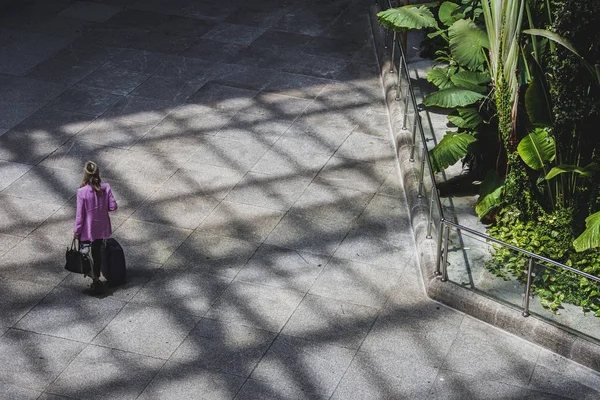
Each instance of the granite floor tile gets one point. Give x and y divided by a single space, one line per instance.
225 98
10 172
217 255
20 355
16 299
90 11
500 356
384 375
46 184
59 315
155 245
98 373
85 100
19 217
330 321
330 202
267 191
241 221
453 385
224 347
208 180
74 154
113 79
367 177
176 209
239 155
115 132
258 306
254 389
177 381
185 290
233 33
314 235
364 284
175 90
305 365
140 167
17 393
144 111
150 331
277 267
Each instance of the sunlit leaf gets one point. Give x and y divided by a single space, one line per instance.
584 172
440 77
467 42
476 81
408 17
490 196
468 118
452 98
590 238
450 149
447 13
537 148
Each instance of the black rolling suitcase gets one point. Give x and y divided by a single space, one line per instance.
113 262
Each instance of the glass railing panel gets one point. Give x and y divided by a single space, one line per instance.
564 298
479 265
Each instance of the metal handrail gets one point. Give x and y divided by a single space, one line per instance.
443 234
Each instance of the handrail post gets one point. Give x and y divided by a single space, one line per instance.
399 81
429 221
393 52
528 288
422 174
445 263
439 248
405 106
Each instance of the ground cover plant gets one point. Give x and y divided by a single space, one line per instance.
523 80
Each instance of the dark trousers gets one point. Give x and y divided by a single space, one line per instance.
96 255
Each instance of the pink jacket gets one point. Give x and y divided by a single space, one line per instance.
92 221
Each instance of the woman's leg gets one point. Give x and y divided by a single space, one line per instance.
97 256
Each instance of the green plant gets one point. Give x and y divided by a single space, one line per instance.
551 236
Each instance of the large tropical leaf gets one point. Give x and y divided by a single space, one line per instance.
448 14
408 17
440 77
471 80
490 196
584 172
452 98
537 148
590 238
555 37
450 149
537 103
467 118
467 42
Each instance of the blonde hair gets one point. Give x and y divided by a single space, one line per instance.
91 176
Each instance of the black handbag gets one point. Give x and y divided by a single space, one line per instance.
77 261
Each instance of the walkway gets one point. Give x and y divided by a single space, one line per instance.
269 250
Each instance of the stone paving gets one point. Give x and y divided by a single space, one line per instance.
268 243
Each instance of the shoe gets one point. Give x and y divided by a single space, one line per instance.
97 287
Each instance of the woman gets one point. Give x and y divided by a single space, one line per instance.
92 223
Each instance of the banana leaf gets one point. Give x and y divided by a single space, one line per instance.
585 172
447 13
450 149
452 98
471 80
537 148
490 196
467 118
440 77
408 17
467 43
590 238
